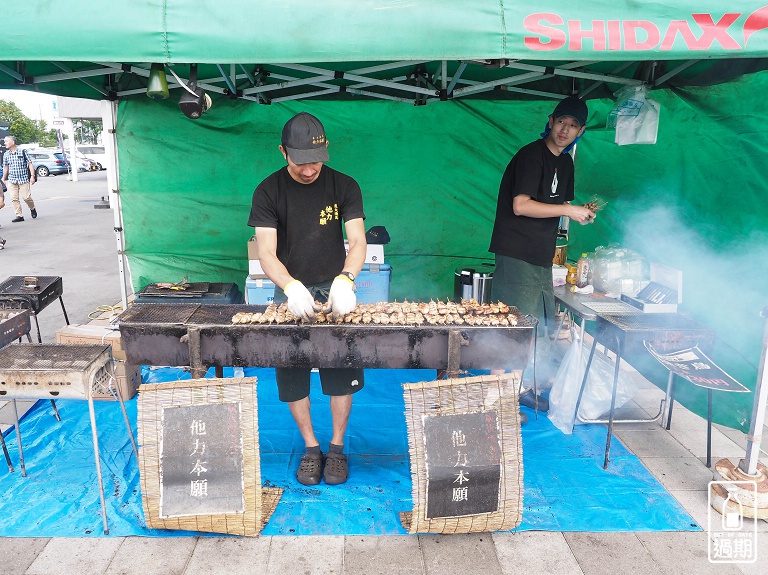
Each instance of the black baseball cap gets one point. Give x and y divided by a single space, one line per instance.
573 107
304 139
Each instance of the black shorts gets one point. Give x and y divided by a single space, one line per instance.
293 382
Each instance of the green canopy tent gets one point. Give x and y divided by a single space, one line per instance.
424 103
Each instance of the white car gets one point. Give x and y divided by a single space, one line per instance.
96 153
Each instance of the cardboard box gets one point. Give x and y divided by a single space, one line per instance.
92 334
253 249
128 378
254 265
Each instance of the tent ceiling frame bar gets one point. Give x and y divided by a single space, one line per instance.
661 79
248 75
229 82
351 76
333 90
70 75
82 79
487 86
562 71
12 73
596 85
456 77
283 85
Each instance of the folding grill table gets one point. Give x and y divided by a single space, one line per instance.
15 294
42 371
625 336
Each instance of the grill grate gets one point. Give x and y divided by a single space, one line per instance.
160 313
652 322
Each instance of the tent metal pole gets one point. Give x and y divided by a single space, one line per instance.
750 461
109 122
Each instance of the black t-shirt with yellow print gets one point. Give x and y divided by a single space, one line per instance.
308 218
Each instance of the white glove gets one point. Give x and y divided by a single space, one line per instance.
341 299
300 301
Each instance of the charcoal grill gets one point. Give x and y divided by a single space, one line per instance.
625 336
203 335
13 325
62 371
15 294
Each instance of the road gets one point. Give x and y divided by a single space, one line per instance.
71 239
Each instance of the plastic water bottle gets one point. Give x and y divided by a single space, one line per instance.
582 271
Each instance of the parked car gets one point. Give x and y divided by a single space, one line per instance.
97 153
85 164
48 163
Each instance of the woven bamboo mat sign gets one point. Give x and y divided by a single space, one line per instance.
199 457
466 454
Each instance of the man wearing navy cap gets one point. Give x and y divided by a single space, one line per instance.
298 213
535 192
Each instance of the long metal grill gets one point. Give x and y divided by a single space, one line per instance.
164 334
51 371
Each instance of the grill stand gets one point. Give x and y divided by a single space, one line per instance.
115 390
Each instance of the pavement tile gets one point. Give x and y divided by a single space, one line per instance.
528 552
152 556
611 554
695 503
76 556
696 442
230 555
678 473
382 555
18 553
651 442
686 552
314 555
459 554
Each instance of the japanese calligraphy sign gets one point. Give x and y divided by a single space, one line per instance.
463 463
466 454
199 457
201 460
694 365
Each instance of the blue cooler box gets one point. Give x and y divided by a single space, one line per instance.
373 283
372 286
259 291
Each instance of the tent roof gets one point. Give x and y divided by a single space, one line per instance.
415 50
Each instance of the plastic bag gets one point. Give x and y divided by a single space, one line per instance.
596 400
635 116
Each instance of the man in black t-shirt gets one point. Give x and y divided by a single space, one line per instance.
535 191
298 213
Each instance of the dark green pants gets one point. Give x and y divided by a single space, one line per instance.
528 288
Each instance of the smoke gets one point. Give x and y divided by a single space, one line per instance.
723 281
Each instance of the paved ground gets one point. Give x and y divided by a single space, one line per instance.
73 240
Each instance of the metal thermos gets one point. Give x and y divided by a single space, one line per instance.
473 283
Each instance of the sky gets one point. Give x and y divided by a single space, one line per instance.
33 105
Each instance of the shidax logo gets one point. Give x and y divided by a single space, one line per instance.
698 32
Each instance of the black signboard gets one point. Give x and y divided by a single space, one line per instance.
695 366
463 461
201 460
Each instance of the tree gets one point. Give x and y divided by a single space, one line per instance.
25 130
87 131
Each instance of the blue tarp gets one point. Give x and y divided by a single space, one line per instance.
565 487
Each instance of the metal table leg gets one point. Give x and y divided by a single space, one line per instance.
98 465
18 438
7 455
613 404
